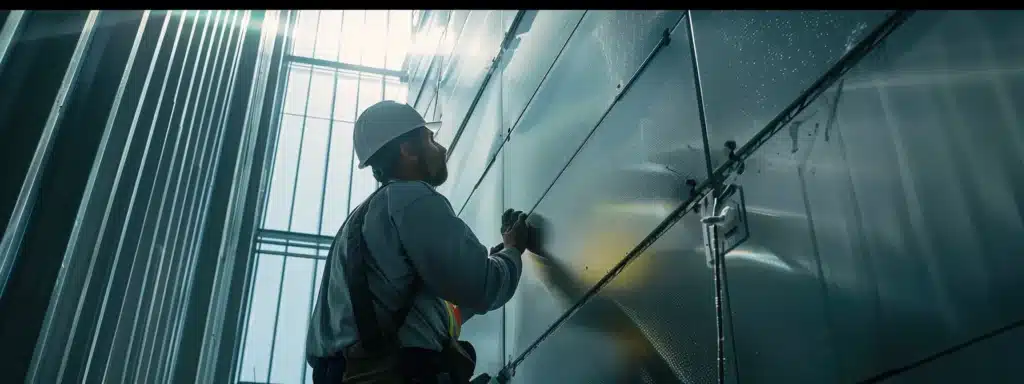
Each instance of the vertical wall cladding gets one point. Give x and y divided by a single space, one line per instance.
654 322
119 133
540 38
754 63
883 217
625 179
426 36
27 102
78 310
428 44
467 163
483 214
43 221
468 65
601 57
480 139
440 86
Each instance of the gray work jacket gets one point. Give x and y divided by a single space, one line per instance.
438 247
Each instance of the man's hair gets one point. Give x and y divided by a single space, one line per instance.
385 161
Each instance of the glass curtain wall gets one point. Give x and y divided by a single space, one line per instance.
340 62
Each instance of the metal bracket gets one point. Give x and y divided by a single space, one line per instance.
729 215
731 146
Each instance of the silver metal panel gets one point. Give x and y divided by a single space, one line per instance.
468 162
470 60
625 180
440 82
995 360
602 56
540 37
15 229
483 214
9 32
655 321
423 50
886 219
754 63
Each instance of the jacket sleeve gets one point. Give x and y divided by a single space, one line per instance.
450 260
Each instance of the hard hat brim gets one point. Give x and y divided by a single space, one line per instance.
433 125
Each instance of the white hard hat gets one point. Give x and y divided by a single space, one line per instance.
381 123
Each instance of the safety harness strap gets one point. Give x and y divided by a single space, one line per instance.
371 338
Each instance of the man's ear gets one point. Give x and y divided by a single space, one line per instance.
409 150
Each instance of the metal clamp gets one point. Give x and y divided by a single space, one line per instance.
731 146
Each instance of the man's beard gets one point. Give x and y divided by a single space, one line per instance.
434 178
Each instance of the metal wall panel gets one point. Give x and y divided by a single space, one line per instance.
654 322
118 190
427 44
469 62
601 57
440 82
995 360
754 63
467 163
423 48
540 38
882 218
885 217
483 214
624 181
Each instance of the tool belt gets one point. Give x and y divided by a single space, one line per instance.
378 358
454 364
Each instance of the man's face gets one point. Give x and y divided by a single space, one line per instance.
432 159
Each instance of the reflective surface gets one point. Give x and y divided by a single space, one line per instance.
483 214
625 180
605 52
135 152
754 63
654 323
884 218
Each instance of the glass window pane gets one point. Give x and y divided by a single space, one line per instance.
371 88
399 38
256 355
328 34
304 35
293 315
352 36
375 38
336 198
283 178
321 90
395 90
309 184
298 87
363 184
345 101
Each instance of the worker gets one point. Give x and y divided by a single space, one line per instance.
404 269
